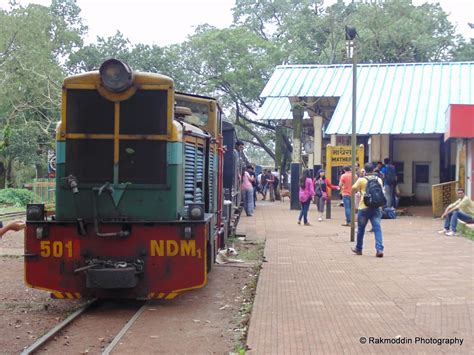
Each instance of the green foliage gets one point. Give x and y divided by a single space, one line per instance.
235 62
90 57
16 197
34 42
466 230
464 51
392 31
397 31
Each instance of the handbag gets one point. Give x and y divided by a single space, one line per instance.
322 194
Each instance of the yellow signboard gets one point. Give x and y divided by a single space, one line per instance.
342 156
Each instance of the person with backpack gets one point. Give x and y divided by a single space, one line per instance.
370 187
389 181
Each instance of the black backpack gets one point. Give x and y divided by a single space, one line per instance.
374 196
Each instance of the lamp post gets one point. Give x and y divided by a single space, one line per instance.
351 34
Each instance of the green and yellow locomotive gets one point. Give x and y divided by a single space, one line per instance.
138 190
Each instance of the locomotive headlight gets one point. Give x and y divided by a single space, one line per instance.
35 212
116 76
196 211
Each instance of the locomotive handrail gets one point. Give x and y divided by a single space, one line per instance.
121 233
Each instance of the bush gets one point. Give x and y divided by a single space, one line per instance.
16 197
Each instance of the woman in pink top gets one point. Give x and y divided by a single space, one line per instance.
247 192
306 195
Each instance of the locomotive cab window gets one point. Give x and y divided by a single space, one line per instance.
88 112
144 113
200 112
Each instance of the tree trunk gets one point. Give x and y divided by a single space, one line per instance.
8 174
2 175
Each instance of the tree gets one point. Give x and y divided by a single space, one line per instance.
90 57
34 41
464 51
398 32
234 65
391 31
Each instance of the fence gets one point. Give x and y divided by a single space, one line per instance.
43 190
442 195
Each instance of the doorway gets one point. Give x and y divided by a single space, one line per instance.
421 181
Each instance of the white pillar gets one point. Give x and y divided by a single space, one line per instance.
379 147
318 140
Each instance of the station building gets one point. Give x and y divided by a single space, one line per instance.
417 114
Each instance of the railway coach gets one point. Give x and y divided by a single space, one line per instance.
139 186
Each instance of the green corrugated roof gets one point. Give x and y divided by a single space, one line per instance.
391 98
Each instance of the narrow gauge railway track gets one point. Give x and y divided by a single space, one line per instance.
12 215
98 325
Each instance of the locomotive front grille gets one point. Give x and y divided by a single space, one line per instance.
101 134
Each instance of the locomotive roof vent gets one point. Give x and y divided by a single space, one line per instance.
116 75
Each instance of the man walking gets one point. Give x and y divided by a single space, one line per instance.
372 199
345 184
462 209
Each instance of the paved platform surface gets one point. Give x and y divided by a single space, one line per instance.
314 296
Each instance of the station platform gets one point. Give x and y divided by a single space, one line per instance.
315 296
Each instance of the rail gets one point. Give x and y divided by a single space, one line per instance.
59 327
123 331
12 215
45 338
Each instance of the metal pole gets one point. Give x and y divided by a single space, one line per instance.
354 137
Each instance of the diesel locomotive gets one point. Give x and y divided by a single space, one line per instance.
139 190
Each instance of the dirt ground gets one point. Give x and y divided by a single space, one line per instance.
210 320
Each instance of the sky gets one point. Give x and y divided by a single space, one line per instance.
164 22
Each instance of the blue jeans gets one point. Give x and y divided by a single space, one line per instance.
452 219
346 200
388 191
247 196
363 217
304 211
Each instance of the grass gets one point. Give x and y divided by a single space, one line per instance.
466 231
250 252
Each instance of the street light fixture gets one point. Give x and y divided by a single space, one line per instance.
351 34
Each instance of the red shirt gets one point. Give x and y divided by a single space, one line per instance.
346 183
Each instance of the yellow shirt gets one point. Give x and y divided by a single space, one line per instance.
464 204
361 184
